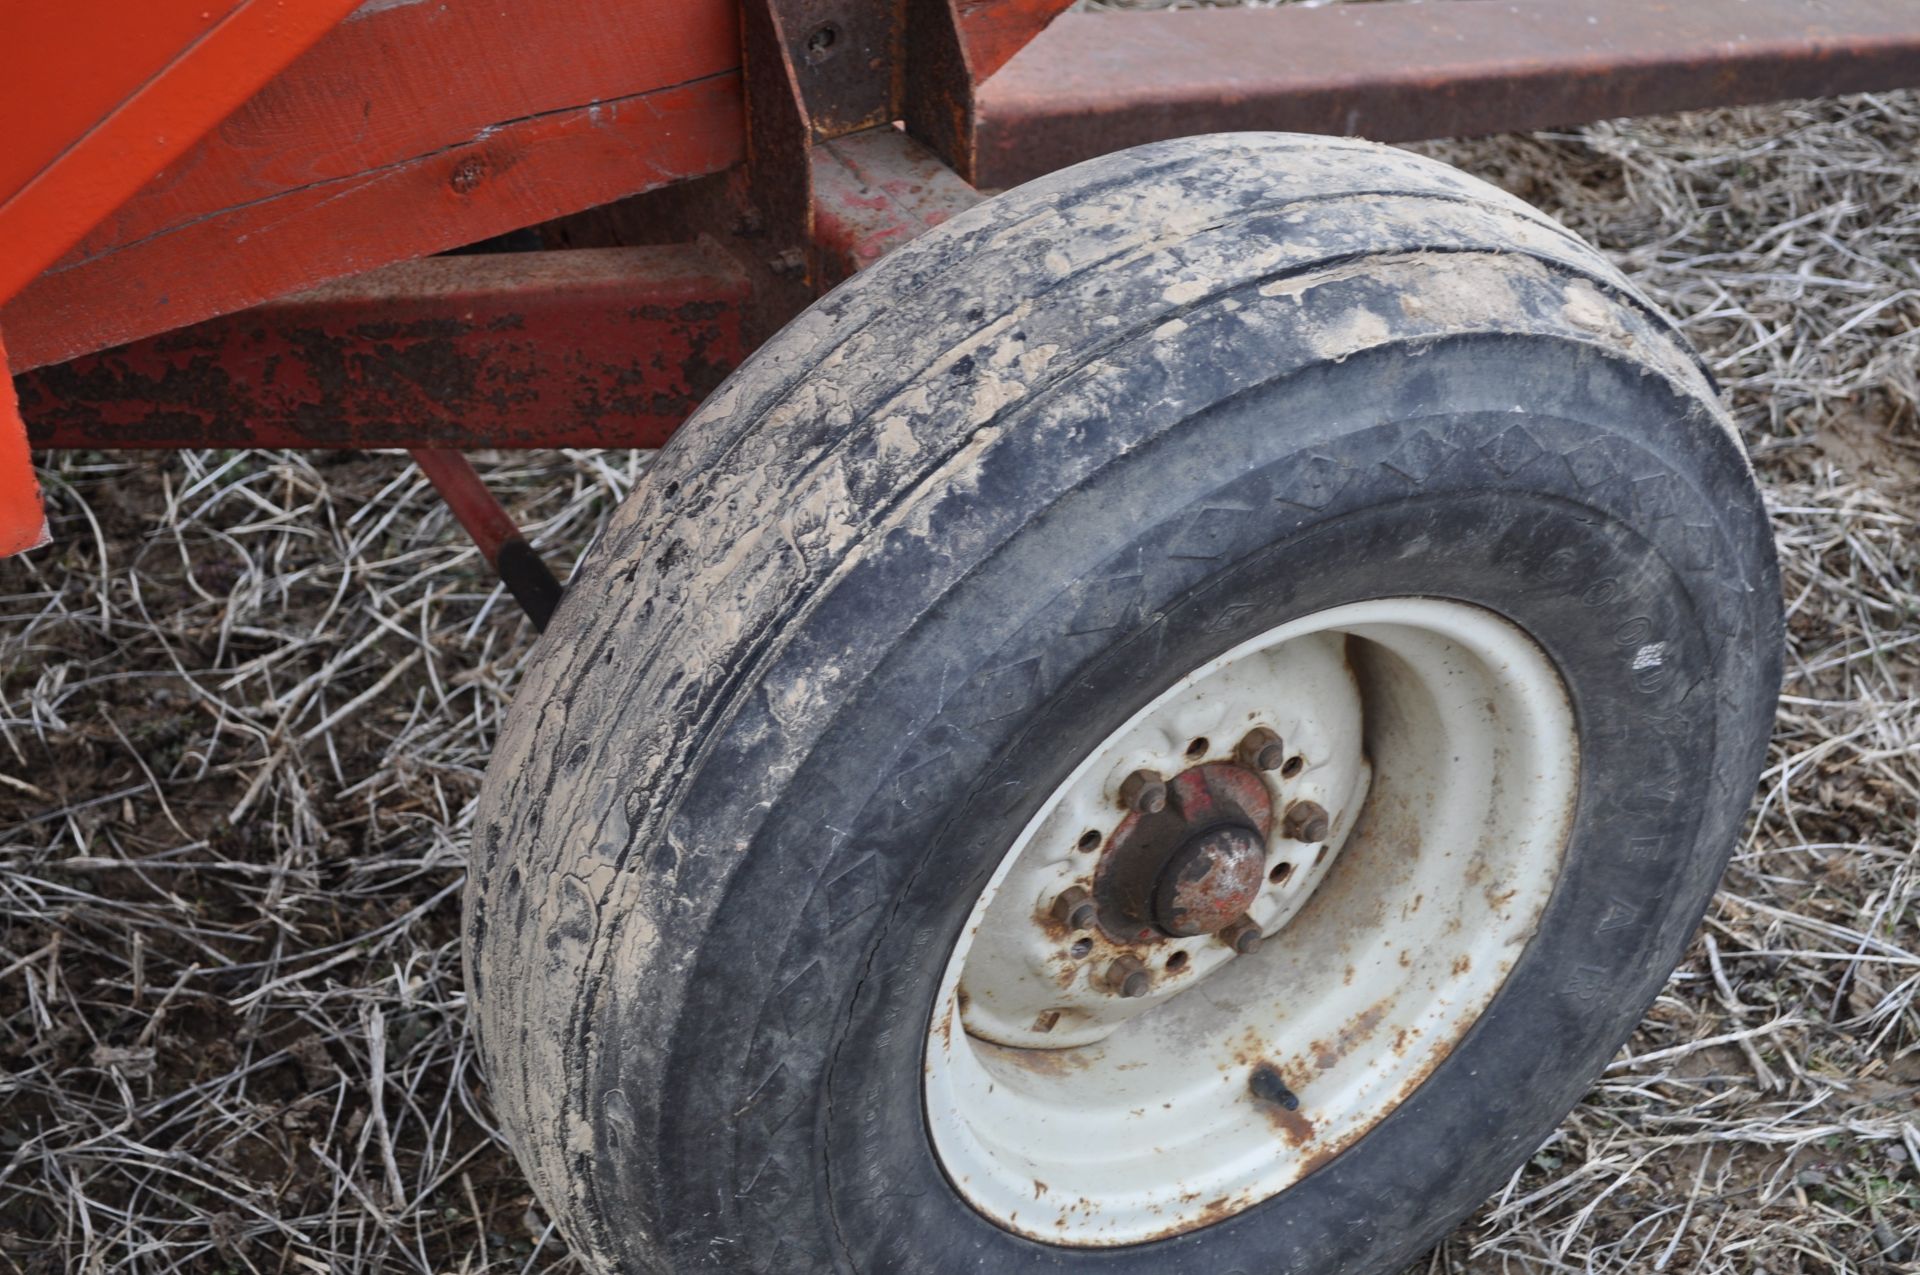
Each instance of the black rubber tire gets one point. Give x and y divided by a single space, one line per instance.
957 522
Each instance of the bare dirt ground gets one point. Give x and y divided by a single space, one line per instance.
246 699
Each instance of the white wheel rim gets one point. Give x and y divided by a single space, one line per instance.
1100 1120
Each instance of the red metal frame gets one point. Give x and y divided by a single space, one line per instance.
493 531
1098 82
874 191
411 128
603 347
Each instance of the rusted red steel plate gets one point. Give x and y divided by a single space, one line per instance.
1097 82
408 129
604 347
874 191
587 347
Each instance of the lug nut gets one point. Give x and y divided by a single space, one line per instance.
1127 977
1307 821
1074 908
1243 936
1144 792
1261 749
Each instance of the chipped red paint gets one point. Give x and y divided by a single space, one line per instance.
614 347
607 347
874 191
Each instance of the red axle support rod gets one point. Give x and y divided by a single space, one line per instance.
527 578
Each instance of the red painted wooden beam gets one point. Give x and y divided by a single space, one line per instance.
408 129
100 95
591 347
1098 82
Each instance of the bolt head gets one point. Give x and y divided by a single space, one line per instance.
1144 792
1308 821
1127 977
1261 749
1243 936
1073 907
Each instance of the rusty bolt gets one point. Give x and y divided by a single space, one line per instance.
1261 749
1307 821
1144 792
1073 908
1266 1085
1243 936
1126 976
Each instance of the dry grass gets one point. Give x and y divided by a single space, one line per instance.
247 698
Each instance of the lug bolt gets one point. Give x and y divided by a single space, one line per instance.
1261 749
1266 1085
1243 936
1127 977
1144 792
1073 908
1307 821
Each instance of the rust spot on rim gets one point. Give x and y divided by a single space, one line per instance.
1291 1125
1328 1054
1041 1062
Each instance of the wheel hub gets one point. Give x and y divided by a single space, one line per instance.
1192 867
1176 854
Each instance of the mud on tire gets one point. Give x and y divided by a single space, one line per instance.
951 528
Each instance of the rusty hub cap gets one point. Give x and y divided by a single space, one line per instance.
1210 881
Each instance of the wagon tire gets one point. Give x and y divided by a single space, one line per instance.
1273 565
